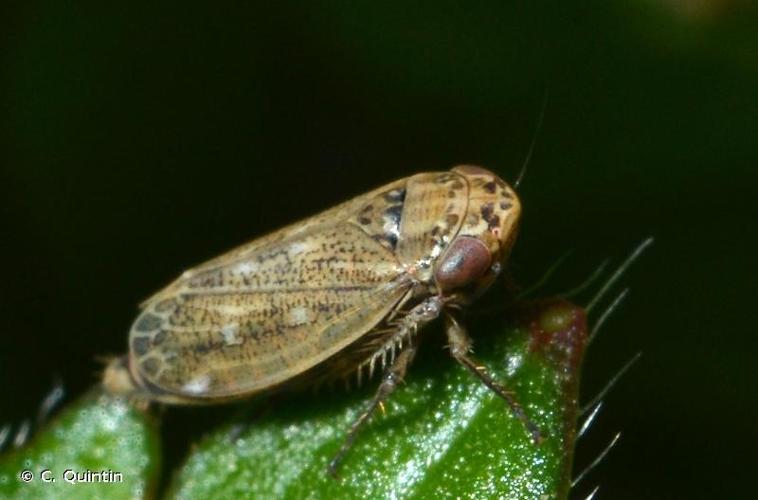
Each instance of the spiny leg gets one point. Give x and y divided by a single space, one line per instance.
390 380
460 346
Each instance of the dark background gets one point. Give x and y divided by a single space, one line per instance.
138 142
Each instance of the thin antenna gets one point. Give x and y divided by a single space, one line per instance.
534 141
597 460
620 271
610 384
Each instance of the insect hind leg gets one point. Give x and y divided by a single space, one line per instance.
460 347
405 326
392 377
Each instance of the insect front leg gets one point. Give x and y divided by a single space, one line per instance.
392 377
460 347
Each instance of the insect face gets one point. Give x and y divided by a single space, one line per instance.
477 253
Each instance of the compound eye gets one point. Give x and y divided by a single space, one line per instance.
467 260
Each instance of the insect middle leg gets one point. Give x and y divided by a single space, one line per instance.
460 348
390 380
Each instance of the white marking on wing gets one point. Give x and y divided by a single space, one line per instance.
247 267
299 315
197 385
229 332
298 247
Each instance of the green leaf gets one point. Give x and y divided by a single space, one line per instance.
99 434
444 434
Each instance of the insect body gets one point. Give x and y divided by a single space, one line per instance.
342 292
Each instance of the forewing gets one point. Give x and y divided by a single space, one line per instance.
269 313
322 221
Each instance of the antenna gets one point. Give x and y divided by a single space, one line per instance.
534 140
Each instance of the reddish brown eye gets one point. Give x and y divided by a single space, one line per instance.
466 261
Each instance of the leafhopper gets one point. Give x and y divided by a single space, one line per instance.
343 293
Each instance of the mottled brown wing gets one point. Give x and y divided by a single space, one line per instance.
326 219
265 313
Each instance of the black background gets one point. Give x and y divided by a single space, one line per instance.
139 141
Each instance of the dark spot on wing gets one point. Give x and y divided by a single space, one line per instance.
392 240
490 187
151 366
393 213
505 205
147 323
159 337
202 348
165 305
140 345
